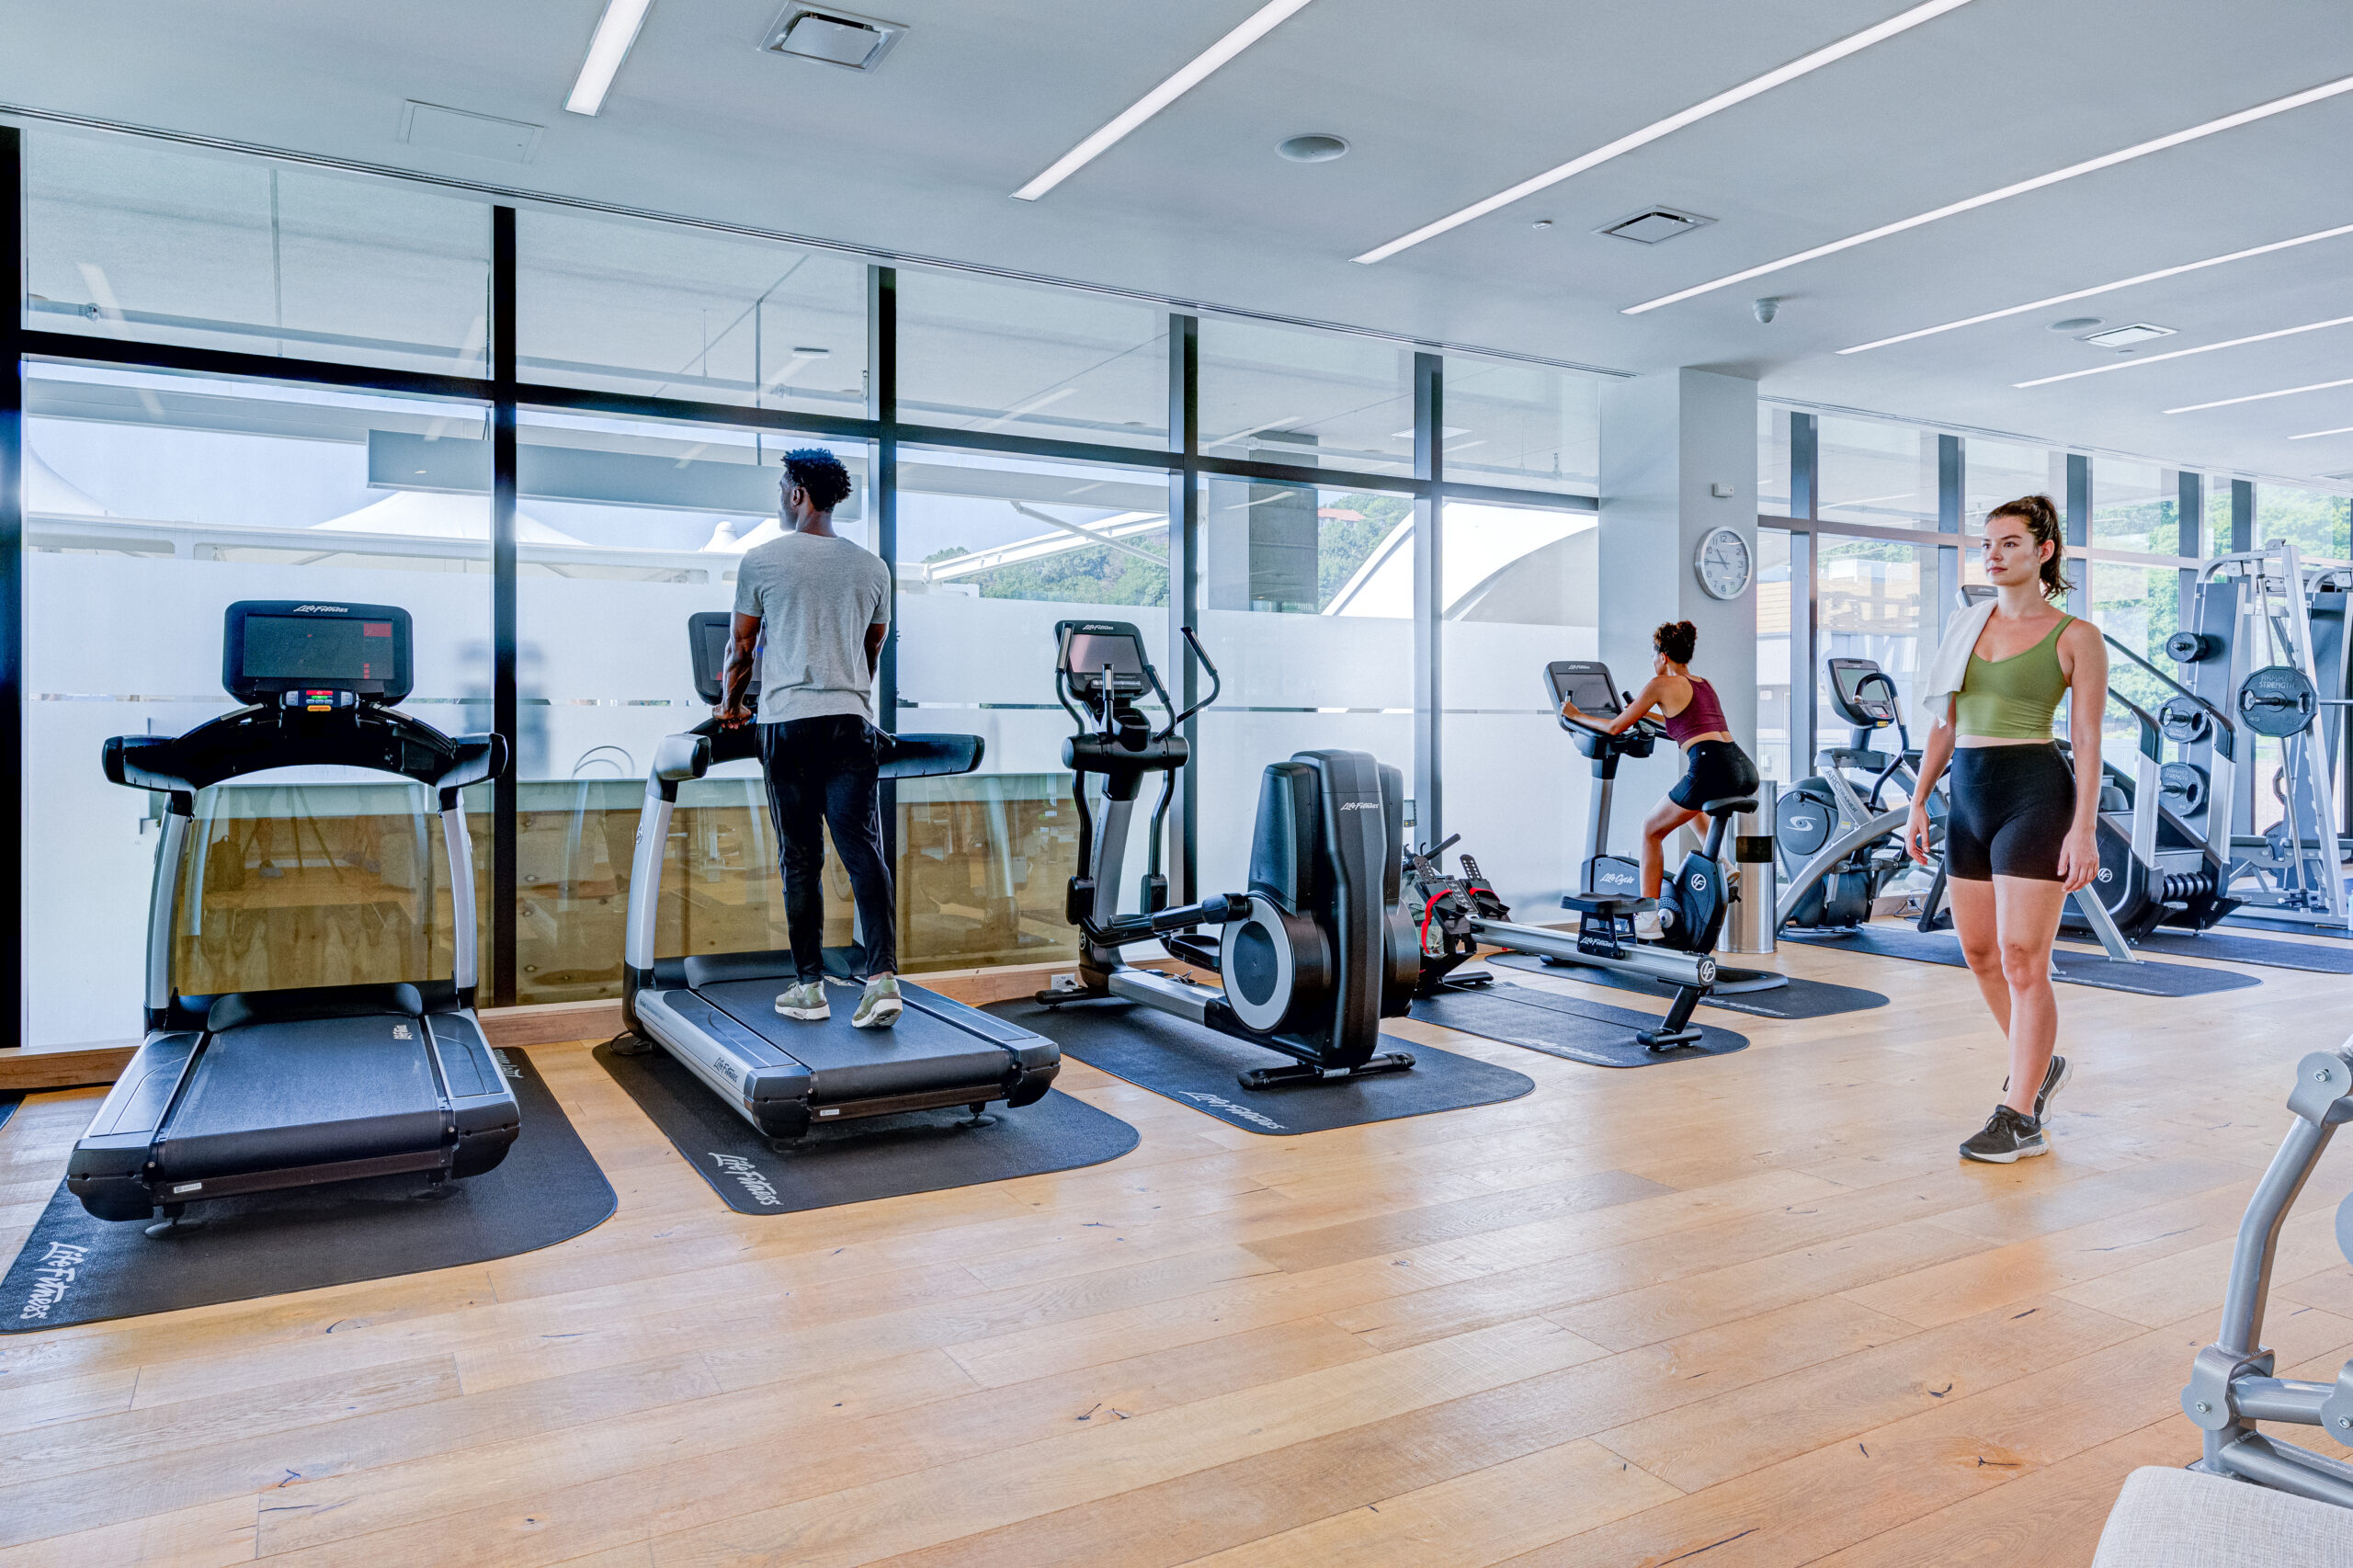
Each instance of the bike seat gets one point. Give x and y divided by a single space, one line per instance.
1728 806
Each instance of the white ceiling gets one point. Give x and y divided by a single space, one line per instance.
1444 106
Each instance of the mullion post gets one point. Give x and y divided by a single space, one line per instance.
504 714
2079 527
1429 556
1949 477
1805 502
1182 857
12 578
883 405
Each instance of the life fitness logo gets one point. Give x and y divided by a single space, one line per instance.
321 609
54 1276
2105 875
756 1186
1357 805
1699 881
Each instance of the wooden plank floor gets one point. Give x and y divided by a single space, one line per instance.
1750 1307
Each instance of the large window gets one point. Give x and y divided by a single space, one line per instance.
1874 604
1307 605
1276 394
1996 472
1882 474
1525 426
1781 608
2315 521
134 239
1519 590
993 552
2135 506
152 503
978 355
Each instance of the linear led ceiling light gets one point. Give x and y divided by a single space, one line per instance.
2185 353
615 33
2044 304
2259 397
1261 22
2340 431
1671 124
2090 166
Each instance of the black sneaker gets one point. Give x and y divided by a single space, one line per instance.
2008 1138
2055 1078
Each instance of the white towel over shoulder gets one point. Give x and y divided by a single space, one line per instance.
1941 681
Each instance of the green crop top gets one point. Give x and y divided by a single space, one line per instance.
2012 698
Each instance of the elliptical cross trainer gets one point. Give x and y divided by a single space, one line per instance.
1314 955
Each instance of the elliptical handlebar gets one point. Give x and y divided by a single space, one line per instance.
1217 685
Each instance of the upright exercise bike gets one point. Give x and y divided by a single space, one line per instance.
1314 955
1461 913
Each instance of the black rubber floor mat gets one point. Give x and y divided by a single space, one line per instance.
76 1268
2095 970
1799 998
1198 1067
877 1156
2225 946
1566 1026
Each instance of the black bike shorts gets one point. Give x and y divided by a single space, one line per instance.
2011 808
1713 770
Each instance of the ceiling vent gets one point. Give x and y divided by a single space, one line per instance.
1654 224
2125 337
838 37
439 130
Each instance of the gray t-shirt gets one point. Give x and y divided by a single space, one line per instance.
815 595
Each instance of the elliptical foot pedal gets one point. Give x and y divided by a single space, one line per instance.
1067 988
628 1043
1308 1072
1667 1040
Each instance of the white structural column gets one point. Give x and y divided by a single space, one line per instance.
1669 443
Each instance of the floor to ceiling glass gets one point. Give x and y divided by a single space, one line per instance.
981 354
1877 473
149 242
656 310
168 498
1282 395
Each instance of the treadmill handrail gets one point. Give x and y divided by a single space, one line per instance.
252 740
696 752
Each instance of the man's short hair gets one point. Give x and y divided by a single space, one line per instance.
821 474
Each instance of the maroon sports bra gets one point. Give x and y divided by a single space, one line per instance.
1702 715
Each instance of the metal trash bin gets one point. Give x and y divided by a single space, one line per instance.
1755 879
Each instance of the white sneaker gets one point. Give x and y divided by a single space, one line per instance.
806 1002
1647 927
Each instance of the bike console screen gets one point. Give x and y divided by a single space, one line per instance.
1866 696
1585 682
306 654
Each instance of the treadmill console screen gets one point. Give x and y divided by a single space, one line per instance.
1088 647
1585 682
708 633
272 648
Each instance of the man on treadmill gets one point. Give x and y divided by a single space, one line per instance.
813 609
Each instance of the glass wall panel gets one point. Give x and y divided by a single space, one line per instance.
2315 520
976 354
1996 472
1278 394
625 528
1773 460
1520 591
1878 473
663 311
2217 514
1778 601
174 498
992 551
1874 604
2136 506
1531 427
2139 607
1307 605
141 240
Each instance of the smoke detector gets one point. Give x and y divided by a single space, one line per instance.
1652 224
2125 337
836 38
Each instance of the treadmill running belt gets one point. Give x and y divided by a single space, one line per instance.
75 1268
920 1049
272 1094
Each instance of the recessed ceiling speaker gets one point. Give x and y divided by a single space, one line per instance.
836 38
1315 149
2075 323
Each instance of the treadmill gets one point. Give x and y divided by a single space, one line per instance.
715 1013
257 1090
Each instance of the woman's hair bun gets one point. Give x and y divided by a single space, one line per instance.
1676 639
